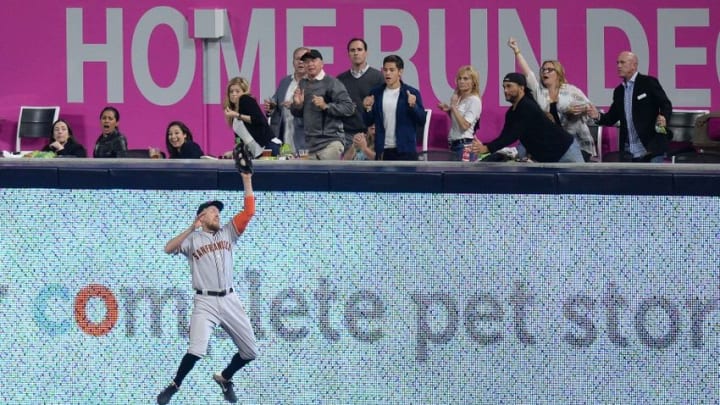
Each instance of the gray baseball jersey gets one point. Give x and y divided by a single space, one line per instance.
211 263
210 257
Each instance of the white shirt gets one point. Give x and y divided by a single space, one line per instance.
319 76
358 73
390 101
470 108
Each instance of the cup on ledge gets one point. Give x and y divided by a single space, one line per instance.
303 154
267 154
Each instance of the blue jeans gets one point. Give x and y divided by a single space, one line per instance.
458 147
275 148
658 159
573 154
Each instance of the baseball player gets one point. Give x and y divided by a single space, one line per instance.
208 248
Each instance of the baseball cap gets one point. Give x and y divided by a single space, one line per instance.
515 77
312 54
218 204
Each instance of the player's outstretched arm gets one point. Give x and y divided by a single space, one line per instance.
242 218
174 244
247 184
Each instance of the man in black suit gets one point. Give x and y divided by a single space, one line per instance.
640 104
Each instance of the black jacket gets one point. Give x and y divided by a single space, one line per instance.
71 149
258 126
110 146
544 140
648 100
188 150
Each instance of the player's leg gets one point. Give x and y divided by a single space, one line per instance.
202 323
186 364
237 325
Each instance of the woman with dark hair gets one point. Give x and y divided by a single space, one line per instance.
62 141
111 143
179 142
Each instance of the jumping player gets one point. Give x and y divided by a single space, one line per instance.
209 252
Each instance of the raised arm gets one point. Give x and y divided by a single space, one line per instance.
416 106
173 244
520 59
298 103
242 218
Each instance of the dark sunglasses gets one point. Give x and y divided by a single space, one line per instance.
547 70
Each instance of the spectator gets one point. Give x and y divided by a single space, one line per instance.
179 142
247 120
464 109
111 143
363 146
641 105
358 80
322 102
567 105
397 111
526 122
62 141
284 125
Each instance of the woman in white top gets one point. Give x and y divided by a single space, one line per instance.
464 109
566 104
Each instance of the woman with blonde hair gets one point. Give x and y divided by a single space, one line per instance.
247 120
566 104
464 109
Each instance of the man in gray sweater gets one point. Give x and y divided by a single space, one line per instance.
322 102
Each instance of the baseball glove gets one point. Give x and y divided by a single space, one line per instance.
242 157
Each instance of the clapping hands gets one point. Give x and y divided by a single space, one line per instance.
299 96
360 141
454 101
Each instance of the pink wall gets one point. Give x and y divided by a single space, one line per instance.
145 60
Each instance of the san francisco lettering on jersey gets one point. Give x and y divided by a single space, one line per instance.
211 247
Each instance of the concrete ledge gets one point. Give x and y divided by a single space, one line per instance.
375 177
